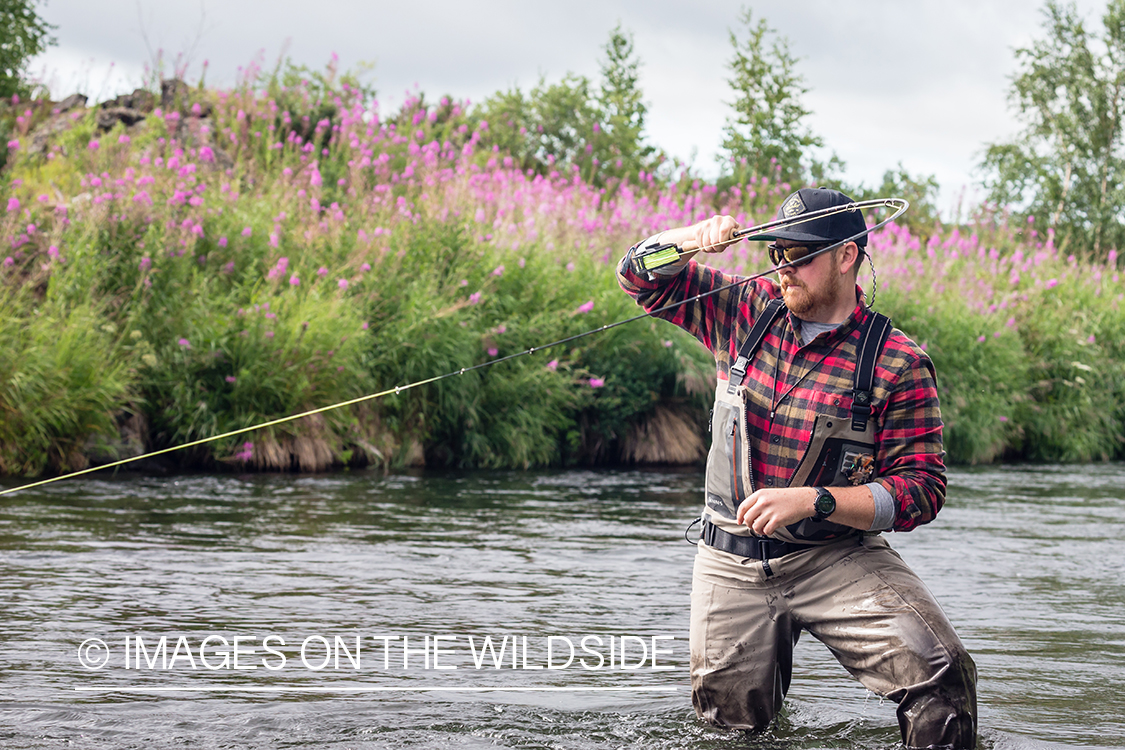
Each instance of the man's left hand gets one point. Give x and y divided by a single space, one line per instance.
768 510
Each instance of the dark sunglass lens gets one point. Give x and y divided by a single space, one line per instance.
789 255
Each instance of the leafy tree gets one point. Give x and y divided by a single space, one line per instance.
1066 167
23 35
620 145
766 134
920 190
575 122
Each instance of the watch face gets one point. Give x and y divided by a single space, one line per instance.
825 505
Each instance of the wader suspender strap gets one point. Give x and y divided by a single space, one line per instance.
876 331
751 343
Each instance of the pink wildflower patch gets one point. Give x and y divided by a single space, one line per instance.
586 307
294 280
93 145
247 232
342 283
184 343
553 365
493 351
597 382
231 378
474 298
498 271
1052 283
13 204
322 272
365 268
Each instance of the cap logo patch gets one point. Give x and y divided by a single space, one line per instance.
793 206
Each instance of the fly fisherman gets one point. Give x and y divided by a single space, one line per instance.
825 431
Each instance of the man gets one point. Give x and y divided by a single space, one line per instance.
825 431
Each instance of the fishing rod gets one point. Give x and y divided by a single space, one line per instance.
900 205
646 260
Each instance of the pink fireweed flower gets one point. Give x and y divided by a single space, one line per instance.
1002 418
53 252
184 343
365 326
269 334
13 204
282 264
501 328
231 378
553 365
93 145
9 261
464 282
474 298
493 351
294 280
667 344
1052 283
365 268
586 307
14 144
980 339
222 242
123 139
322 272
498 271
597 382
247 232
342 283
570 267
1091 339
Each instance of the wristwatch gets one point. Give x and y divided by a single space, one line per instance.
824 504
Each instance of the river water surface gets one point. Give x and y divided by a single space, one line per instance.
1027 561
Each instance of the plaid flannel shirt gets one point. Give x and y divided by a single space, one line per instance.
795 382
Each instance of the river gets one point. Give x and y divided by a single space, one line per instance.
421 569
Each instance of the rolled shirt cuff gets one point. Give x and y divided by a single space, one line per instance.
884 507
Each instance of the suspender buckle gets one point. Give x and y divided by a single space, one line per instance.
861 409
737 374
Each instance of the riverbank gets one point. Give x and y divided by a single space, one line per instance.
234 256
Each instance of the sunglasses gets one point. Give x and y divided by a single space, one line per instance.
793 256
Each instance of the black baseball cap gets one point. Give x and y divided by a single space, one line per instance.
832 228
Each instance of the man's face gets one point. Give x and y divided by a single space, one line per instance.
812 287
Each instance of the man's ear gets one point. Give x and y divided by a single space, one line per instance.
848 257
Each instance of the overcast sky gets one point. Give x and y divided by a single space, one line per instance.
921 82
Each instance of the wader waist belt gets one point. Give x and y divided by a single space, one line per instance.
757 547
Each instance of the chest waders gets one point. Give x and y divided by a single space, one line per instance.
841 450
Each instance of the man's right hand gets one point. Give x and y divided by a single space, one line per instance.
710 235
